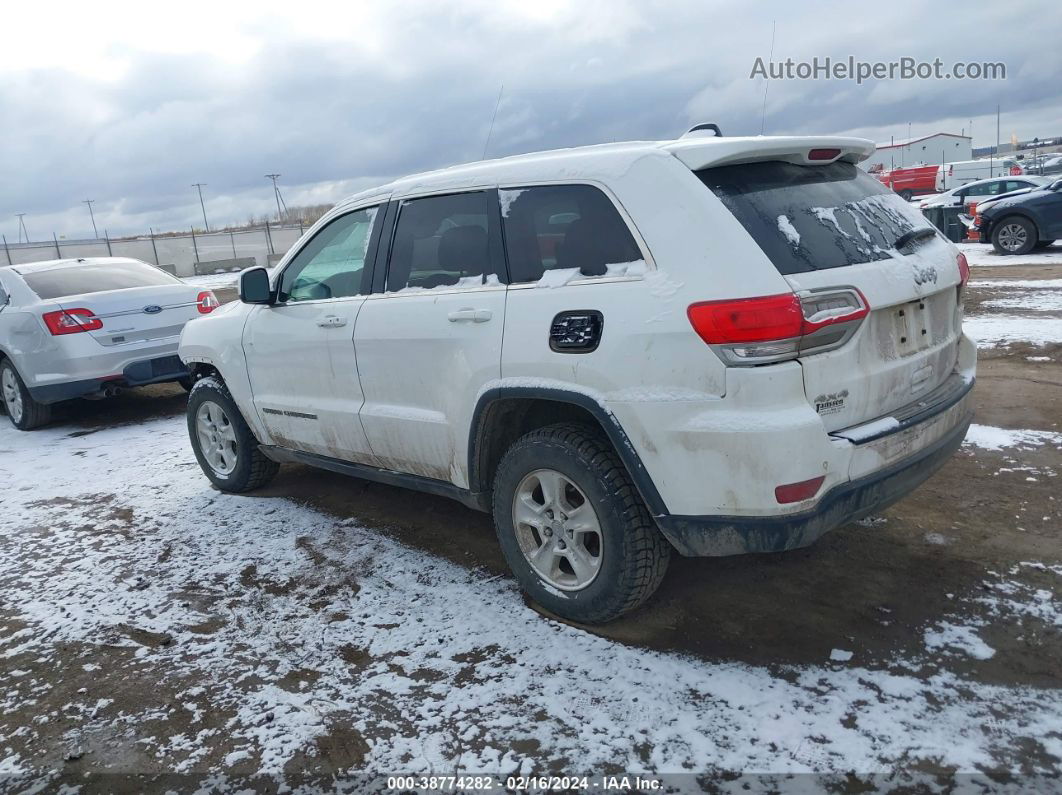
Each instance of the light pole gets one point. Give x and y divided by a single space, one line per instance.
89 202
199 187
22 227
276 195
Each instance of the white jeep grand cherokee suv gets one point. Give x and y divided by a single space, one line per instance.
710 345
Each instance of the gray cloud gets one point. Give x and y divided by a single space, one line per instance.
415 90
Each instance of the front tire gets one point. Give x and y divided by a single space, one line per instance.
24 412
573 528
1014 235
222 442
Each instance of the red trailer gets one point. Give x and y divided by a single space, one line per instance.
911 182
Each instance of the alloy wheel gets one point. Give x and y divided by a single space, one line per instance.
1012 237
217 437
12 395
557 530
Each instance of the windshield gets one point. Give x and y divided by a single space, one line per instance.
94 277
814 217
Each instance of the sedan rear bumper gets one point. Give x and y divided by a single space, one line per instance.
148 371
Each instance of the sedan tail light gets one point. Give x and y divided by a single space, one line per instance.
71 321
774 328
207 302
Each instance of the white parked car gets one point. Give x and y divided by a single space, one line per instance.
76 328
980 190
953 175
710 345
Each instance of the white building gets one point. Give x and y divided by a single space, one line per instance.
929 150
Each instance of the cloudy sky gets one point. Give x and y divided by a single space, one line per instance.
129 104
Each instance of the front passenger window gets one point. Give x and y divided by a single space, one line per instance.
332 263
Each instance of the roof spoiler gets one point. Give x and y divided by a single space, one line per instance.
693 131
700 151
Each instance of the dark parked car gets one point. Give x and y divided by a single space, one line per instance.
1021 223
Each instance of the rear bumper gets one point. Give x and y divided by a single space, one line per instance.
714 536
147 371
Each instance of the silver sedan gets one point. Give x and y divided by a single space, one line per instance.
78 328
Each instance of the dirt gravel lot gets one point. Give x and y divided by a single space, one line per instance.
155 632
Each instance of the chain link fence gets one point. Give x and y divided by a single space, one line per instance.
189 254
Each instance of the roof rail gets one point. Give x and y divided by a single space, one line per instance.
696 128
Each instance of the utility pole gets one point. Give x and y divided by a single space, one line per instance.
990 168
277 196
199 187
93 217
22 227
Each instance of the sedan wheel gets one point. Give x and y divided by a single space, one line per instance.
12 395
557 530
217 438
24 412
1013 237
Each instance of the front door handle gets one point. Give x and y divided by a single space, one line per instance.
471 315
332 321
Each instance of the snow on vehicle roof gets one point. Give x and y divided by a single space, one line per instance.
603 160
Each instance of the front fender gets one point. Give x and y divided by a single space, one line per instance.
217 341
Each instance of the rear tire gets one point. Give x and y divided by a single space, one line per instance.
906 195
222 442
589 576
1014 235
24 412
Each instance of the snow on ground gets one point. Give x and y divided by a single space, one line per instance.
1017 310
988 437
994 330
1032 300
982 254
438 667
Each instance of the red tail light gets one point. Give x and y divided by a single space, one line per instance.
752 331
795 492
823 154
964 268
747 320
71 321
207 302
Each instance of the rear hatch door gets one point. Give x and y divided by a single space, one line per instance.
834 226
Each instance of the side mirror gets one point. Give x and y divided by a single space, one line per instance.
254 286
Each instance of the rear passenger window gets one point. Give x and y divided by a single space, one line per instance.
441 241
573 228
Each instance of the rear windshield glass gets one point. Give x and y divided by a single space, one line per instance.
809 218
92 277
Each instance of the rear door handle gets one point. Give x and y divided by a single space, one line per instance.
332 321
470 316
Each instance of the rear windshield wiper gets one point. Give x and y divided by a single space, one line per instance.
915 234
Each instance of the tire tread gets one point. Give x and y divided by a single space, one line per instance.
649 552
34 414
262 469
